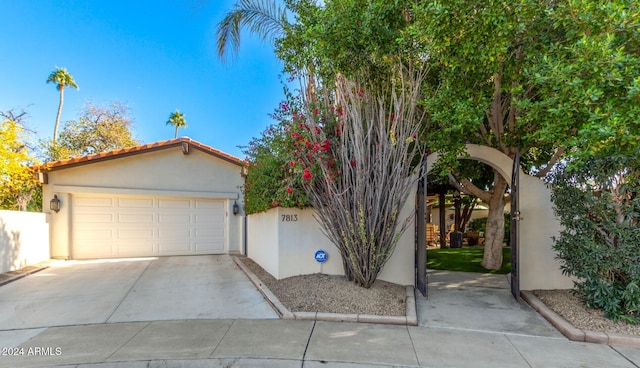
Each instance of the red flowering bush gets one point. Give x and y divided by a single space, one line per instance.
273 177
288 156
312 143
351 153
357 151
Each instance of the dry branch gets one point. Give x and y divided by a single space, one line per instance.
376 154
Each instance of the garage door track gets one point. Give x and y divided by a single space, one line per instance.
128 290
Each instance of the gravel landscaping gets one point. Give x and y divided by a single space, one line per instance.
568 305
333 294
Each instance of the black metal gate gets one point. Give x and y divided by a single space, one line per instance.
421 234
515 219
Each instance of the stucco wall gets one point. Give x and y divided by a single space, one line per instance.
537 228
24 239
167 173
285 247
262 240
299 241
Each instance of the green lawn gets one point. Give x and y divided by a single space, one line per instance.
464 259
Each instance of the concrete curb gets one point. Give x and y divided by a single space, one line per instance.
24 274
576 334
410 319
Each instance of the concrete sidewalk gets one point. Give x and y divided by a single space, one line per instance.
478 302
291 343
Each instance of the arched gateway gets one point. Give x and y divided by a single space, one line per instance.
538 268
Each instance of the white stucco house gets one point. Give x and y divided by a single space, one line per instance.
175 197
181 197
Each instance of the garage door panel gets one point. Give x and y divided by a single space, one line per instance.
174 233
209 205
93 202
94 218
135 234
113 226
94 249
135 248
174 218
208 233
88 234
135 203
175 248
209 247
139 218
209 219
174 203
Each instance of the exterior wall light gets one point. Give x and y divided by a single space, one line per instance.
54 204
236 208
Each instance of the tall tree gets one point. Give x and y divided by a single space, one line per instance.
536 76
177 119
483 91
590 80
17 182
97 129
61 78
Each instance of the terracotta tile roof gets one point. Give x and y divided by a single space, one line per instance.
110 155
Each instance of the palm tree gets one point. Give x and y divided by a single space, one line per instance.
263 17
61 78
176 119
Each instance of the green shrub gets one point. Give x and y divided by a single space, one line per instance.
270 178
598 204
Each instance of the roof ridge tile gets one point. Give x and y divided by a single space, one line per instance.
96 157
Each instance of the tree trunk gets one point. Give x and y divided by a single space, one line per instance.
467 212
55 128
494 234
443 221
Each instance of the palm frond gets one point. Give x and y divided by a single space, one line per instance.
262 17
61 78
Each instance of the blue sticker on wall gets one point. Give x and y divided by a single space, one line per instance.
321 256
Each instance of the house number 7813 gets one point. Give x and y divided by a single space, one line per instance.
289 218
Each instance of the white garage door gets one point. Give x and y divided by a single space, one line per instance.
115 226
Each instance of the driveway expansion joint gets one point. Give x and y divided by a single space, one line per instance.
133 285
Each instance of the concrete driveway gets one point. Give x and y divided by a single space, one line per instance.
129 290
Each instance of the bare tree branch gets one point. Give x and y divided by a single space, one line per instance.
467 187
552 161
365 181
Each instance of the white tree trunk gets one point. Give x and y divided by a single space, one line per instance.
55 128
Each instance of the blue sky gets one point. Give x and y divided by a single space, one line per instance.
154 56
